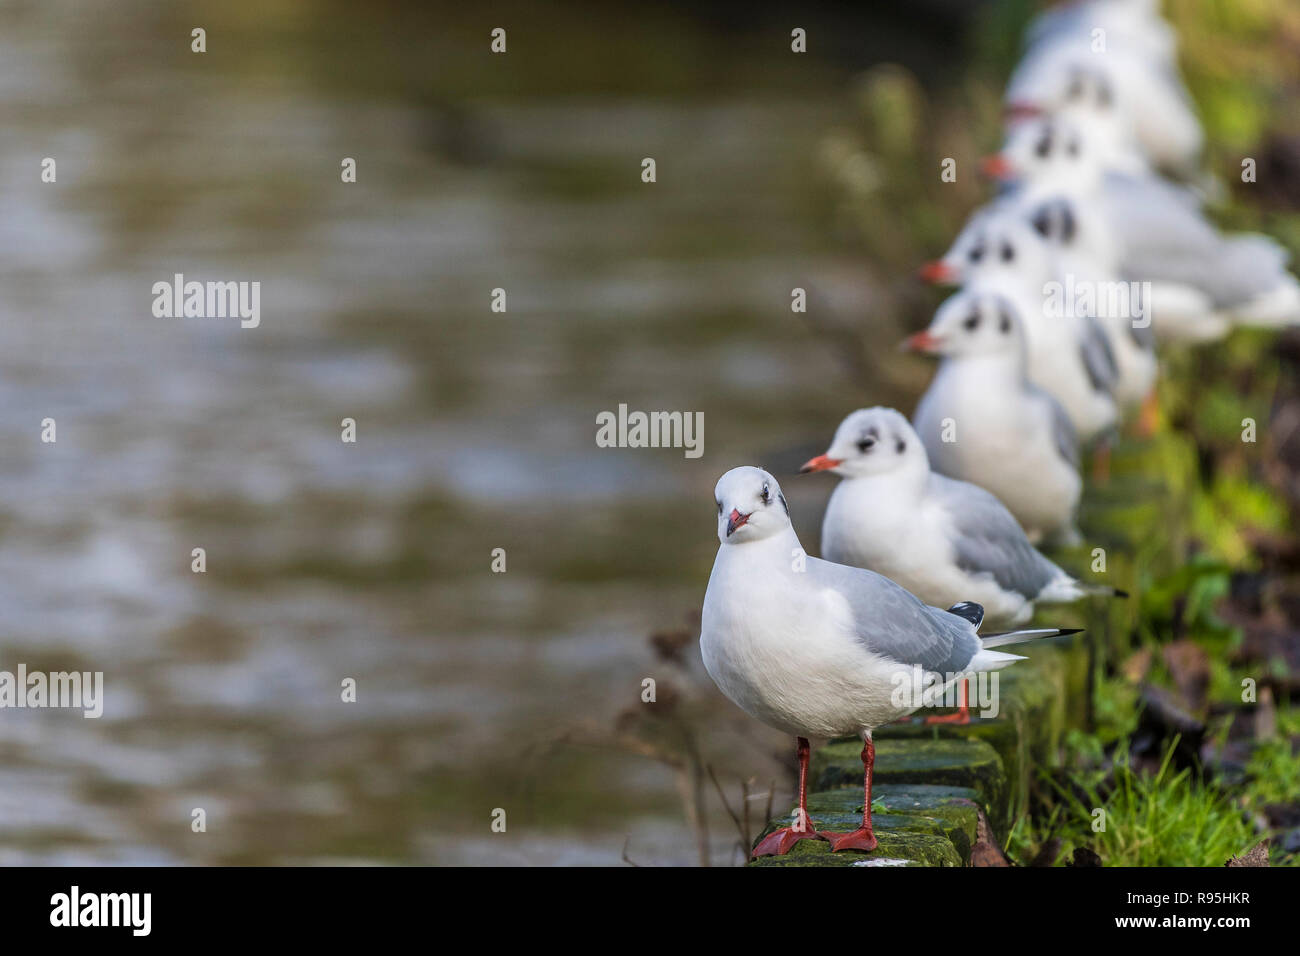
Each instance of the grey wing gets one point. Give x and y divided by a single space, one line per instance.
1097 356
888 620
1064 437
987 539
1167 239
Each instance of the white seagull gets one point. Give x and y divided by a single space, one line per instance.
1202 280
1003 251
1136 22
1142 92
981 420
821 650
944 540
1119 307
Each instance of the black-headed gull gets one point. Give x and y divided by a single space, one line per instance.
1201 279
1125 83
821 650
1137 24
981 420
944 540
1121 313
1068 354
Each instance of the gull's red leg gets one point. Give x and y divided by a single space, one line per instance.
779 842
863 838
1149 417
963 710
1101 462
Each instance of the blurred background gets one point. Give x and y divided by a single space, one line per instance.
476 429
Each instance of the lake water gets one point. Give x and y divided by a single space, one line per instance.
476 429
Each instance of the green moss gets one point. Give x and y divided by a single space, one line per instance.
893 849
955 762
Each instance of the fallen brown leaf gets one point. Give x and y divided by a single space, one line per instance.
986 851
1258 856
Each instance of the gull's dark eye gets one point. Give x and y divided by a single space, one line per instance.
866 444
1008 252
767 494
977 253
972 322
1044 145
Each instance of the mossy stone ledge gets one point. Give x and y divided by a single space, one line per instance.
932 780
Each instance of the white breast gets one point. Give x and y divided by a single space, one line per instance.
1003 443
784 655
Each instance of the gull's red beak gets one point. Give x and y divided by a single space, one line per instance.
922 341
997 166
820 463
937 272
735 520
1021 110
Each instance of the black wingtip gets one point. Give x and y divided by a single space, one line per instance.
1120 594
1062 632
969 611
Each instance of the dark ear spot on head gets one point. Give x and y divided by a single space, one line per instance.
900 446
1067 223
781 495
1042 222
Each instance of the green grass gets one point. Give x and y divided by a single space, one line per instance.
1165 818
1274 774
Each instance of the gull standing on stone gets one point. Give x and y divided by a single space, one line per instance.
821 650
944 540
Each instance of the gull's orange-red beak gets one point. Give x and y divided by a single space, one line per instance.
997 166
922 341
735 520
937 272
1021 110
820 463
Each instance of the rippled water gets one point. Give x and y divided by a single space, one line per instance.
476 429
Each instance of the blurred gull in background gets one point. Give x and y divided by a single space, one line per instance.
983 421
944 540
1067 353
